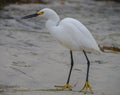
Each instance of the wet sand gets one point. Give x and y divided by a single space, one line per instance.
31 59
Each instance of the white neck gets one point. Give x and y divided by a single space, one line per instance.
52 21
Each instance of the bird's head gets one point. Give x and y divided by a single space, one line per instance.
46 12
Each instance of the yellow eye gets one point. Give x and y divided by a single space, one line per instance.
40 13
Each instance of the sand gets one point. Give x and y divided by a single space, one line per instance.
31 59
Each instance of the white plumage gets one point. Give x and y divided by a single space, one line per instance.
70 32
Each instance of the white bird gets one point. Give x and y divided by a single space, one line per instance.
72 34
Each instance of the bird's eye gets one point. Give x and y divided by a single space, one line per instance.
40 13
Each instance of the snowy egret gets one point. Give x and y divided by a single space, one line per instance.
72 34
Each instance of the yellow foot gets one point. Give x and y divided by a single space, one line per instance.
86 87
66 86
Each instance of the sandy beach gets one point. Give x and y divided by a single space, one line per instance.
31 59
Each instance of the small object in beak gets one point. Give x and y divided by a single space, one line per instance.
30 16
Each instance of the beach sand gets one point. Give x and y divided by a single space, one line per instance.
31 59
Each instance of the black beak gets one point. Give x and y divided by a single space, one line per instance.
30 16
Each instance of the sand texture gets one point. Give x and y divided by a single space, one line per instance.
31 59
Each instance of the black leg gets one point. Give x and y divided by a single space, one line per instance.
88 65
67 85
87 84
72 63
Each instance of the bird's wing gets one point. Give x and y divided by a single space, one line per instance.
79 33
